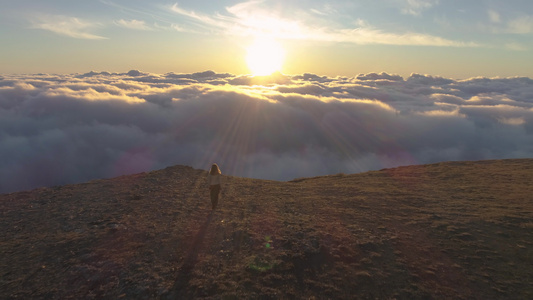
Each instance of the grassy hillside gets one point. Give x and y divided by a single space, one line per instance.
447 230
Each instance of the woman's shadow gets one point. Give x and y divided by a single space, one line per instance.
184 273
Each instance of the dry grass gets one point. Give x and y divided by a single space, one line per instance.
449 230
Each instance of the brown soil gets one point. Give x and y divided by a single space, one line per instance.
446 231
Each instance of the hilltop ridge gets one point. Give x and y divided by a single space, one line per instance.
448 230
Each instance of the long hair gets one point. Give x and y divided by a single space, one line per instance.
215 170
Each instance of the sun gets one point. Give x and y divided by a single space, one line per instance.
265 56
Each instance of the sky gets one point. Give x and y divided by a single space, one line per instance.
267 89
451 38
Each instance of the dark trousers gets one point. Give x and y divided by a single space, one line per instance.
214 191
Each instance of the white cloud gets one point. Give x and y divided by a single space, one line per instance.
66 26
133 24
516 46
325 10
415 7
252 18
71 128
369 35
178 28
521 25
494 16
198 17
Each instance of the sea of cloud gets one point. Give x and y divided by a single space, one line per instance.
60 129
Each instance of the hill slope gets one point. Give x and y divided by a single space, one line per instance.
448 230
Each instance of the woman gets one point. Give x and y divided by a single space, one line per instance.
213 178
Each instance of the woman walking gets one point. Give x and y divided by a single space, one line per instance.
213 178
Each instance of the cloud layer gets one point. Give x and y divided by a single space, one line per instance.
59 129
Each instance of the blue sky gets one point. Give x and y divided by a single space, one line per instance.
97 89
458 39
